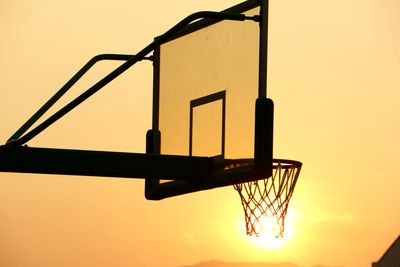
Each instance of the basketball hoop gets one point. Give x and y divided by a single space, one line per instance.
268 199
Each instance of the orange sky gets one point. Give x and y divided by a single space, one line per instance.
334 75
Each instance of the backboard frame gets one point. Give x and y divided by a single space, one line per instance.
261 165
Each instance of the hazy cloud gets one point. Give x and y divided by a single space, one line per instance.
190 238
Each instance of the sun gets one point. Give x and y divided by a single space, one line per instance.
268 236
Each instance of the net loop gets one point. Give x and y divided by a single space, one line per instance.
265 201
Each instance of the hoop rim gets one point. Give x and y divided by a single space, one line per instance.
275 162
223 172
295 163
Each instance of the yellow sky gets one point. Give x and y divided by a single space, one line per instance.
334 75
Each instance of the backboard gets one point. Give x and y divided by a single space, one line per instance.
206 84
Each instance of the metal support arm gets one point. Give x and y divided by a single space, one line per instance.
35 117
100 163
18 140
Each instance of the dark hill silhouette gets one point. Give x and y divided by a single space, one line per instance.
215 263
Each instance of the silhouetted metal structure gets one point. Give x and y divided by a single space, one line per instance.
16 156
185 173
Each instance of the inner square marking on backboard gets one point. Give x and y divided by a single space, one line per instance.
199 104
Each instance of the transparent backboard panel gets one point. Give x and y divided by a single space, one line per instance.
208 85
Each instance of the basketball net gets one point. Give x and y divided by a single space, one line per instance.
267 200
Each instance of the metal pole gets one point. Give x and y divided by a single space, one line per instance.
263 58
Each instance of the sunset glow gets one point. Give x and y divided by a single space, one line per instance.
269 235
269 238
